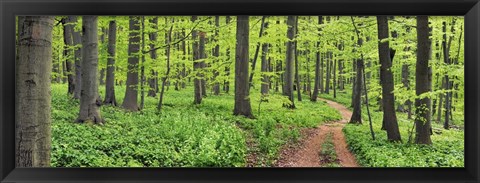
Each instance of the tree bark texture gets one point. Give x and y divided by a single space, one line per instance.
110 78
89 104
389 115
422 109
289 69
32 113
130 101
242 98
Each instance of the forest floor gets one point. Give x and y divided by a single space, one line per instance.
308 152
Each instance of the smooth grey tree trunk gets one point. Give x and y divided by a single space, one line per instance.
334 78
110 78
242 89
328 60
216 54
153 80
197 82
318 73
422 109
295 52
142 66
389 115
357 90
203 65
164 80
289 70
68 52
130 102
89 103
316 86
226 83
263 25
77 41
32 109
265 68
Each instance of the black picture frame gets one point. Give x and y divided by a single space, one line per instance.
10 8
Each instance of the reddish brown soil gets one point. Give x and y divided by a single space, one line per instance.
306 153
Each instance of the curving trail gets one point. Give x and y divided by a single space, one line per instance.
306 154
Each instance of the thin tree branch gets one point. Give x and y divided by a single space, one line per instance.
176 42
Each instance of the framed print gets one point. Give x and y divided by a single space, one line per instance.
240 91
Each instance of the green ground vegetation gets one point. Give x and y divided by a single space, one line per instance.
183 134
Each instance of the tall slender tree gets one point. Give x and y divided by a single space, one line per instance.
130 101
297 74
197 82
68 41
216 54
164 80
316 86
89 100
242 88
265 68
110 78
152 81
32 109
254 62
389 115
422 105
226 83
358 82
77 41
289 69
202 56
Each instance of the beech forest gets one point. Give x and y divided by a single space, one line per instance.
239 91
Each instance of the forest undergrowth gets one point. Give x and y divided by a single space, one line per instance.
447 151
182 135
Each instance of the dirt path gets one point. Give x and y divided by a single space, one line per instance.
306 154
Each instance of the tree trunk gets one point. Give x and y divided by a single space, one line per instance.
389 115
422 110
322 71
357 91
307 76
196 66
318 74
216 54
64 71
334 79
102 76
142 66
242 99
184 69
446 58
226 83
341 82
316 86
130 101
354 69
169 40
440 102
265 68
297 75
77 41
263 26
152 81
328 64
68 40
89 104
32 109
56 77
110 85
288 86
203 65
